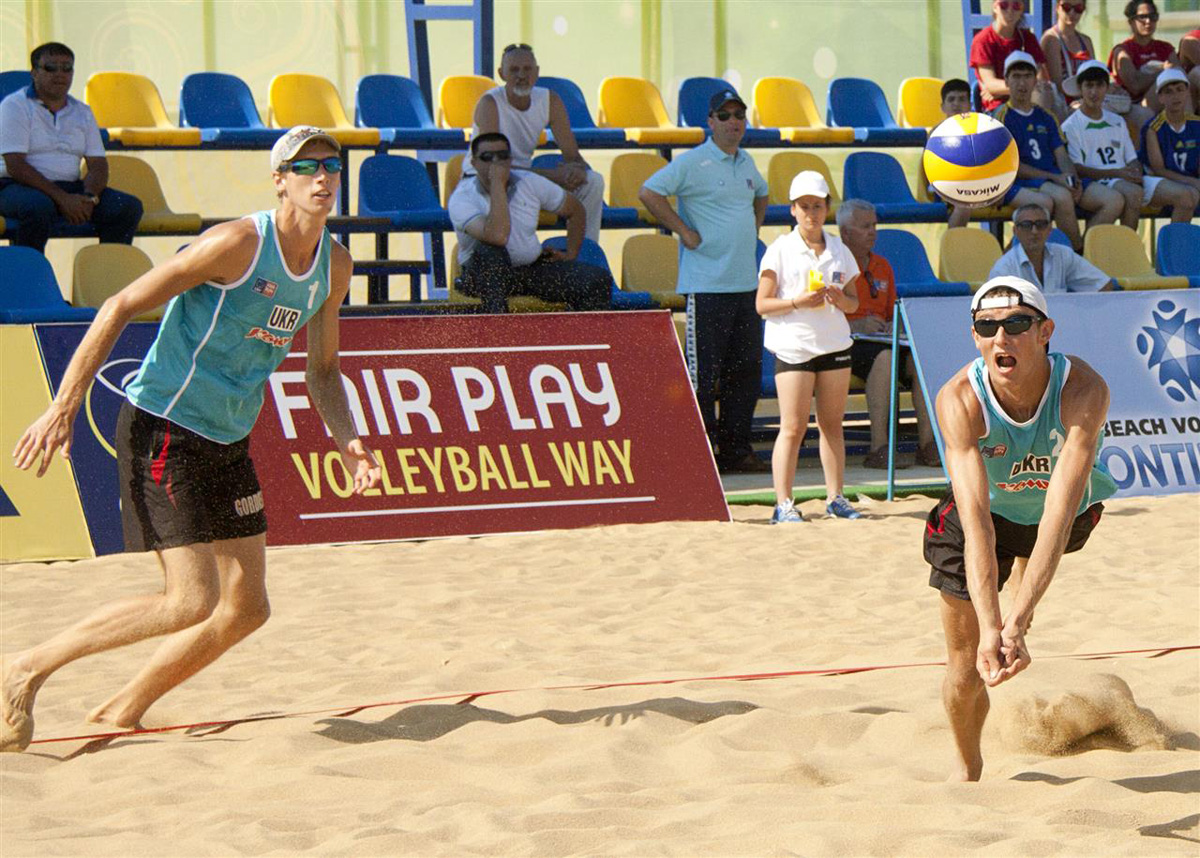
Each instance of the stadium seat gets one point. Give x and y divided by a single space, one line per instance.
650 265
968 254
29 292
781 169
582 125
395 106
135 176
1179 251
920 100
223 108
451 178
694 95
1118 252
914 276
630 170
591 253
786 104
878 178
635 104
398 187
309 99
102 270
457 97
858 103
130 109
1057 236
11 81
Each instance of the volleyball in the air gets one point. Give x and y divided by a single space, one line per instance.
971 159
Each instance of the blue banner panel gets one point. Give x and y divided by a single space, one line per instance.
92 451
1146 345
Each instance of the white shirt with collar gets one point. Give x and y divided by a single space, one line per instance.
52 143
528 195
1063 270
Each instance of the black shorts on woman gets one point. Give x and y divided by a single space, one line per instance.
821 363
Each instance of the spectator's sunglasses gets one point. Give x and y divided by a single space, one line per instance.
57 67
1077 8
1013 5
1145 18
723 115
1013 325
1039 224
309 166
496 155
518 46
871 284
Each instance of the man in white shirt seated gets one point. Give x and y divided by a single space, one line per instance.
1052 267
495 216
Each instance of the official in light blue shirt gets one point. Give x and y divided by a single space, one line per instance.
1052 267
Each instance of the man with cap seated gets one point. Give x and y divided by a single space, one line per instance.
1171 140
722 202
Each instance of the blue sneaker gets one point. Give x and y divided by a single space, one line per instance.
839 507
786 513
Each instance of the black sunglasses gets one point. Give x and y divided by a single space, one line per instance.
518 46
1039 224
871 284
723 115
1013 325
57 67
1150 16
309 166
497 155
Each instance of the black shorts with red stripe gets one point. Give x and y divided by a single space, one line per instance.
180 488
944 544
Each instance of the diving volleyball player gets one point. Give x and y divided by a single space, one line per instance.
189 492
1022 428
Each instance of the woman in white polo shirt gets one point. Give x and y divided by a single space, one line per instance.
806 287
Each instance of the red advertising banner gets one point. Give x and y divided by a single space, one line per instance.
491 424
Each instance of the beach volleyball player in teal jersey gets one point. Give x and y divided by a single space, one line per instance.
1022 428
189 492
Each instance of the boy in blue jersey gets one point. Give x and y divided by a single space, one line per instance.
1022 428
1171 140
188 488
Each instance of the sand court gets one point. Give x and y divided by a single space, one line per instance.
1084 757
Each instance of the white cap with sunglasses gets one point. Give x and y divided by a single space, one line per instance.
289 145
1028 295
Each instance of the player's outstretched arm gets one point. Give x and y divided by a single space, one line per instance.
221 254
323 375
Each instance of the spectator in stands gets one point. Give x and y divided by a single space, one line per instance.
1171 140
871 360
1050 266
807 284
1066 49
1098 142
521 111
1046 175
992 47
1189 61
44 133
1136 62
495 215
722 203
956 98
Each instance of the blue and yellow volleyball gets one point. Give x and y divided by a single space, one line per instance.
971 159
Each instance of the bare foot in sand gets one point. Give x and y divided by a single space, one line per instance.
105 716
17 692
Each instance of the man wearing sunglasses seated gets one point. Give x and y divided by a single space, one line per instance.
1050 266
1022 428
44 134
495 216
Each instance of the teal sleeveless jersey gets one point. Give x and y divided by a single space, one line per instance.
218 344
1020 457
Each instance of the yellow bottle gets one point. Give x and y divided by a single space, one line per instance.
816 281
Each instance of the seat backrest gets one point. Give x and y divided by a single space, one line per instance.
649 263
578 114
631 102
305 99
876 177
906 254
784 102
967 254
11 81
1116 250
784 166
1057 236
217 100
920 100
1179 250
453 173
457 97
390 101
125 100
590 252
135 176
103 270
629 172
694 95
393 183
27 280
855 102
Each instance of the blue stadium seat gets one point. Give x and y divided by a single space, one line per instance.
11 81
222 107
1179 252
878 178
29 292
914 275
593 254
858 103
694 95
610 217
395 106
1057 236
399 188
582 125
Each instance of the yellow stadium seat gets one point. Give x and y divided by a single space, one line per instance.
516 303
787 104
784 166
103 270
629 172
309 99
920 100
457 97
967 254
650 263
453 174
129 107
635 104
135 176
1118 252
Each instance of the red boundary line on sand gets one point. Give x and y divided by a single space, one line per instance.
463 699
